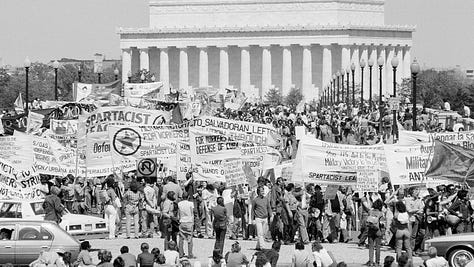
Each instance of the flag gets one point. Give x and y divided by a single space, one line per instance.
300 106
101 92
452 162
176 115
252 180
19 104
34 123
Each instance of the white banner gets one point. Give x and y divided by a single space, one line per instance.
83 90
63 127
408 164
238 130
19 184
368 181
17 150
207 146
463 139
133 93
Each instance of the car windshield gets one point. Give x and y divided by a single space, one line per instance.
10 210
37 208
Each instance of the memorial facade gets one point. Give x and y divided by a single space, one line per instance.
255 45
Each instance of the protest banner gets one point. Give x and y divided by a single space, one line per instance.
234 172
17 150
211 171
19 184
97 93
368 181
464 139
408 164
63 127
321 157
137 142
133 93
82 90
206 146
238 130
93 135
34 123
330 178
285 170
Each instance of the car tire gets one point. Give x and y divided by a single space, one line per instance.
460 255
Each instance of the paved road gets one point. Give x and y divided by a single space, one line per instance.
349 253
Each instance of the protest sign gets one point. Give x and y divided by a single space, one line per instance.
17 150
463 139
133 93
93 135
408 164
321 157
285 170
211 171
368 181
206 146
237 130
63 127
330 178
145 141
234 172
19 184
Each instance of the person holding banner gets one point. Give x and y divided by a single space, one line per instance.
79 205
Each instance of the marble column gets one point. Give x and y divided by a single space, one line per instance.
144 59
345 57
327 65
245 69
364 55
126 64
183 69
407 61
389 70
382 55
307 79
223 69
355 59
266 71
286 71
375 70
401 66
203 67
164 69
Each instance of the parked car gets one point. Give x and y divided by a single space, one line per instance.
457 249
23 240
77 225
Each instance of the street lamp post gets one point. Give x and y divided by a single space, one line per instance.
79 74
129 75
56 66
395 63
348 99
342 85
362 66
338 74
380 62
116 73
371 64
353 67
331 92
333 89
27 65
415 69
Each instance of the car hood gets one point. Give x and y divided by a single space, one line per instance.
81 219
453 238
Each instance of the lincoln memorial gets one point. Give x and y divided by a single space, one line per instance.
256 45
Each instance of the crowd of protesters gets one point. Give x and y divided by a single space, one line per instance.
276 210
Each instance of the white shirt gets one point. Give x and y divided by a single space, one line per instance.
447 106
171 257
437 262
467 111
322 258
457 127
186 213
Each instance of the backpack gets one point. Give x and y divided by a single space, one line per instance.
373 222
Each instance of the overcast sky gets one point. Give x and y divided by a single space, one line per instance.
51 29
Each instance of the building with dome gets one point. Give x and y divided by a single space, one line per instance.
256 45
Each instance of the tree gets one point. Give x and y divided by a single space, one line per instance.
293 98
273 97
434 87
137 77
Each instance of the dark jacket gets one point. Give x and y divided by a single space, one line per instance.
220 217
53 209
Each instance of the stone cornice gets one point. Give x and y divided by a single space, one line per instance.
277 28
240 2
